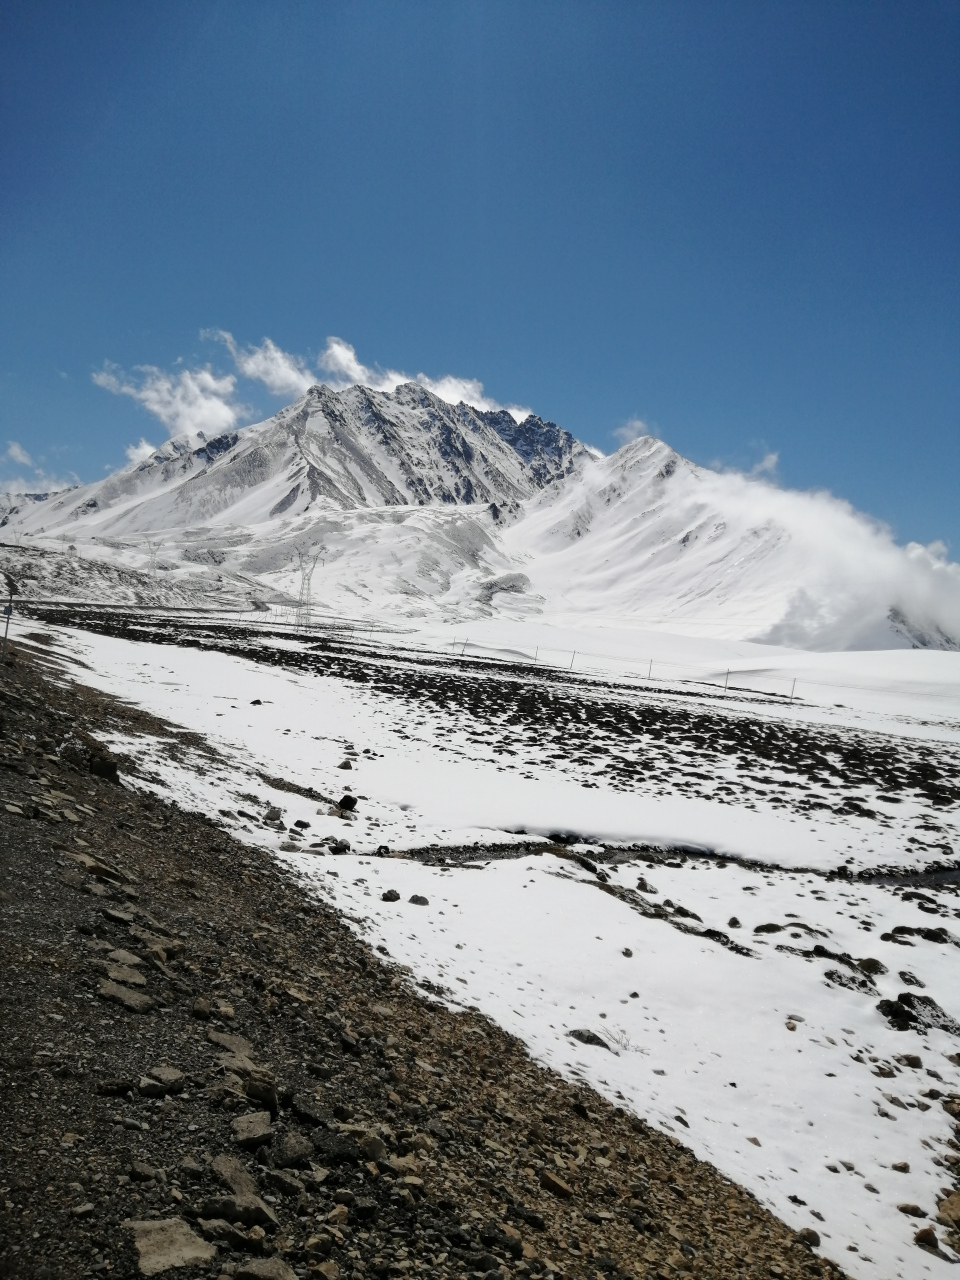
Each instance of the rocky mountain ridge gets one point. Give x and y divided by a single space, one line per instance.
340 450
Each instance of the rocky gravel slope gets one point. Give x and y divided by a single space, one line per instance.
204 1072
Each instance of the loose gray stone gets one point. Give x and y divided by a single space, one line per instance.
265 1269
132 1000
229 1170
262 1087
224 1233
169 1077
250 1210
292 1149
585 1036
373 1148
252 1131
191 1168
233 1044
159 1081
121 973
168 1243
284 1182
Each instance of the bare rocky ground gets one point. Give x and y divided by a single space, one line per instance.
205 1073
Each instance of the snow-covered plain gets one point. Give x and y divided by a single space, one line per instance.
769 1059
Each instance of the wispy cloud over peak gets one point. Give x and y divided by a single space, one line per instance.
632 429
343 369
767 466
280 372
17 453
189 402
140 452
339 367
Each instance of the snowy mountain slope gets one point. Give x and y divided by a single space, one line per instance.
353 449
420 507
48 575
646 536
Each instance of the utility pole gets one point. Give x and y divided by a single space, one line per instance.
307 565
8 614
153 548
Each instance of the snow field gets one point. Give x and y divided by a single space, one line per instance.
427 776
705 1042
536 945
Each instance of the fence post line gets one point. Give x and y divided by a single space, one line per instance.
572 659
793 690
726 680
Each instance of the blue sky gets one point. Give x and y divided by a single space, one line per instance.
737 223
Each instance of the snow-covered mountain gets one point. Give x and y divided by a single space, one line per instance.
648 536
424 508
343 451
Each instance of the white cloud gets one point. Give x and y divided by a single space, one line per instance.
195 400
339 361
16 453
632 429
40 482
140 452
280 372
839 572
286 374
198 400
767 466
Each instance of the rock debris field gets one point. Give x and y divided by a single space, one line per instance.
206 1073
